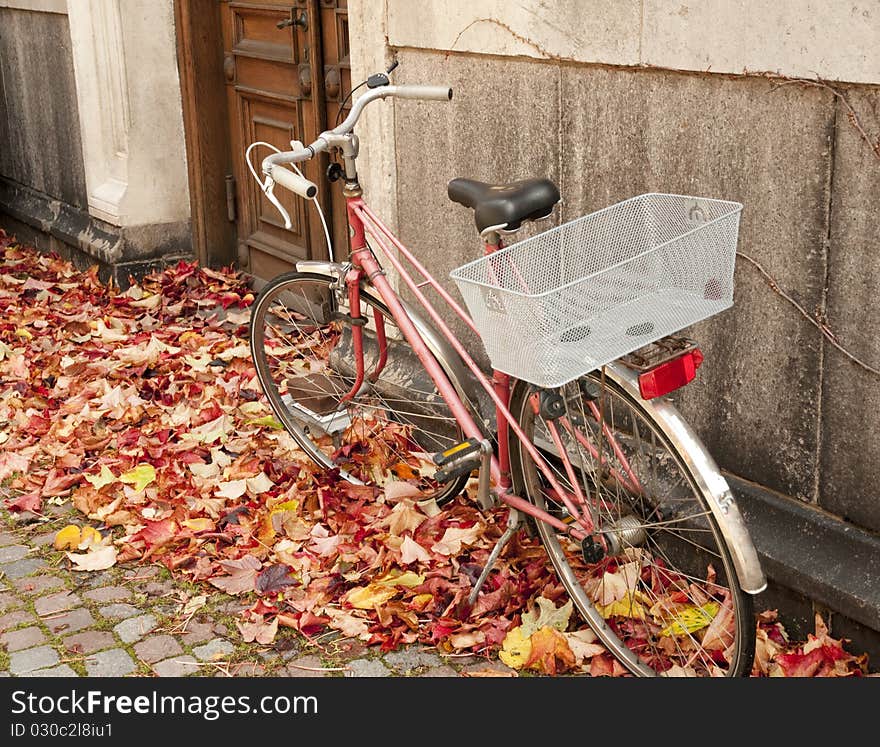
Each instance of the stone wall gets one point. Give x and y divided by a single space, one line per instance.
39 121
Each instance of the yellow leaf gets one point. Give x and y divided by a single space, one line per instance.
550 652
67 538
140 476
407 579
420 601
198 525
515 649
370 597
90 537
290 505
691 619
269 422
105 477
24 333
629 606
266 532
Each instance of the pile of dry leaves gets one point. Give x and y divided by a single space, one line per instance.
142 408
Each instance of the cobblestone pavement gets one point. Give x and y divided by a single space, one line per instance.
137 621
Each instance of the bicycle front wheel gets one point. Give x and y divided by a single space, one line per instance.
657 583
302 346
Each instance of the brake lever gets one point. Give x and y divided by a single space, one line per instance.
268 188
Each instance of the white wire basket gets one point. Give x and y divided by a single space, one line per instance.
569 300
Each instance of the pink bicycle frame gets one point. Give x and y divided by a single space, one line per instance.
363 222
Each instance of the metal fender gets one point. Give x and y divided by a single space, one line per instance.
707 475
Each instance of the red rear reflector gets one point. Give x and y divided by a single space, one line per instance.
669 376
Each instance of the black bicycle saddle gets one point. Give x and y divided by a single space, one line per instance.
505 205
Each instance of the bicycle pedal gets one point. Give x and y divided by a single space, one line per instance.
459 467
458 460
465 448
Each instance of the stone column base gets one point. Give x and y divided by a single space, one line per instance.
120 252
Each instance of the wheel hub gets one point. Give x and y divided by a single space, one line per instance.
627 531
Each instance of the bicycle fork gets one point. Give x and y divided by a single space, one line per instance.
353 279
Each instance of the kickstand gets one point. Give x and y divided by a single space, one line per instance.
513 519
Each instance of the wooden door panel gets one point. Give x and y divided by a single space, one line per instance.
255 29
337 84
277 92
277 124
264 105
267 77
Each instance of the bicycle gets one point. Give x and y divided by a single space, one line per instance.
599 463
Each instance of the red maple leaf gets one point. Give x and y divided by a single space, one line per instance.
58 483
306 623
27 502
38 425
804 665
157 533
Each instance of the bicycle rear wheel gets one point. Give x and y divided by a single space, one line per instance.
663 595
302 346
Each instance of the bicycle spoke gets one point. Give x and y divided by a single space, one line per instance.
656 619
306 361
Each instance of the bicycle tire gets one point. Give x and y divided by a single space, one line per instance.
671 525
307 402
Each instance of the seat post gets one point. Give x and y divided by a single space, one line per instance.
491 241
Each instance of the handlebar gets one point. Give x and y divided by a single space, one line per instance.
273 165
294 182
424 93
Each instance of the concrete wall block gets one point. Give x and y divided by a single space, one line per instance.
836 40
611 134
582 30
850 455
501 125
39 124
630 132
377 168
755 400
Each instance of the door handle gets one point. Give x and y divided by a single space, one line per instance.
302 21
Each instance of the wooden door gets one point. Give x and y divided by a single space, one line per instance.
274 95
